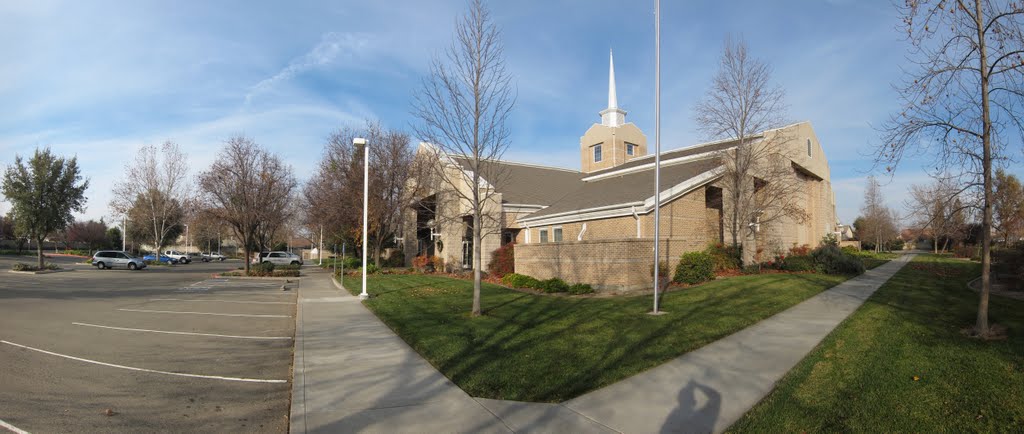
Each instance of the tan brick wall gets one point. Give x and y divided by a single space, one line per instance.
614 265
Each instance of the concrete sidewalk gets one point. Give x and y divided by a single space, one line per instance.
353 374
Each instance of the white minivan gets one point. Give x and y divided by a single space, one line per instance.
107 259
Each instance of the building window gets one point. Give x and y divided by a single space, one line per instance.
597 153
557 234
630 149
543 236
808 147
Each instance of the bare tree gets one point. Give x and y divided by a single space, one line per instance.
962 100
932 206
1008 206
757 179
153 192
463 106
334 195
878 223
244 187
391 166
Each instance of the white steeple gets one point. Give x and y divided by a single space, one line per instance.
612 116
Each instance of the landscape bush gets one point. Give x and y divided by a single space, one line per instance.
553 285
695 267
421 262
581 288
351 262
803 250
515 280
395 259
966 252
503 261
370 269
798 263
725 258
829 259
261 269
850 250
288 267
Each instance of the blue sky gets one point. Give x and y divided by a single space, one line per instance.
100 79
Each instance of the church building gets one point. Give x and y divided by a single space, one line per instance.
595 225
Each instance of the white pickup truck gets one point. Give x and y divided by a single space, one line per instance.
182 258
212 256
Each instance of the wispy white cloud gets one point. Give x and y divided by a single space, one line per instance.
333 46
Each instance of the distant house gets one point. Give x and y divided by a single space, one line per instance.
595 225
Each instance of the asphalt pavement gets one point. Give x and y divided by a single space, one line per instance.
166 349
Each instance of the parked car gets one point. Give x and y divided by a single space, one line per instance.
107 259
182 258
212 256
282 258
163 258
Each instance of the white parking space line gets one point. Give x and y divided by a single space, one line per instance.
13 428
221 301
206 313
183 333
152 371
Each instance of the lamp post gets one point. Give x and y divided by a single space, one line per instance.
186 239
124 232
366 202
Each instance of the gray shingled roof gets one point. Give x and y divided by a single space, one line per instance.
528 184
563 190
627 188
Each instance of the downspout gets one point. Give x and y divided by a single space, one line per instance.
582 231
637 218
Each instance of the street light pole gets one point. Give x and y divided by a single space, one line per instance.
366 203
124 232
186 239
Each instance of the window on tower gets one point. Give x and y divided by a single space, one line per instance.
597 153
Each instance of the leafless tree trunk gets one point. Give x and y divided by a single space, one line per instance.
962 100
462 107
153 191
244 187
757 178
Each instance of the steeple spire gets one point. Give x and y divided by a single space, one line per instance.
613 100
612 116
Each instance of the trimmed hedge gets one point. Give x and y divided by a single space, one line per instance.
581 288
520 281
830 259
261 268
799 263
553 285
695 267
726 258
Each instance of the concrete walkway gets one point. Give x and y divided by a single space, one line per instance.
352 374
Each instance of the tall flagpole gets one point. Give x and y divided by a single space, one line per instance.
657 149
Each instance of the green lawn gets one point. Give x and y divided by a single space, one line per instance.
861 377
545 348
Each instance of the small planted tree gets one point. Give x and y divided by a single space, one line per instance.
462 108
962 101
759 184
44 192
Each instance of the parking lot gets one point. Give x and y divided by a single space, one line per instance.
166 349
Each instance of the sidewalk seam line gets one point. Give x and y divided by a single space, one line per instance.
489 411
